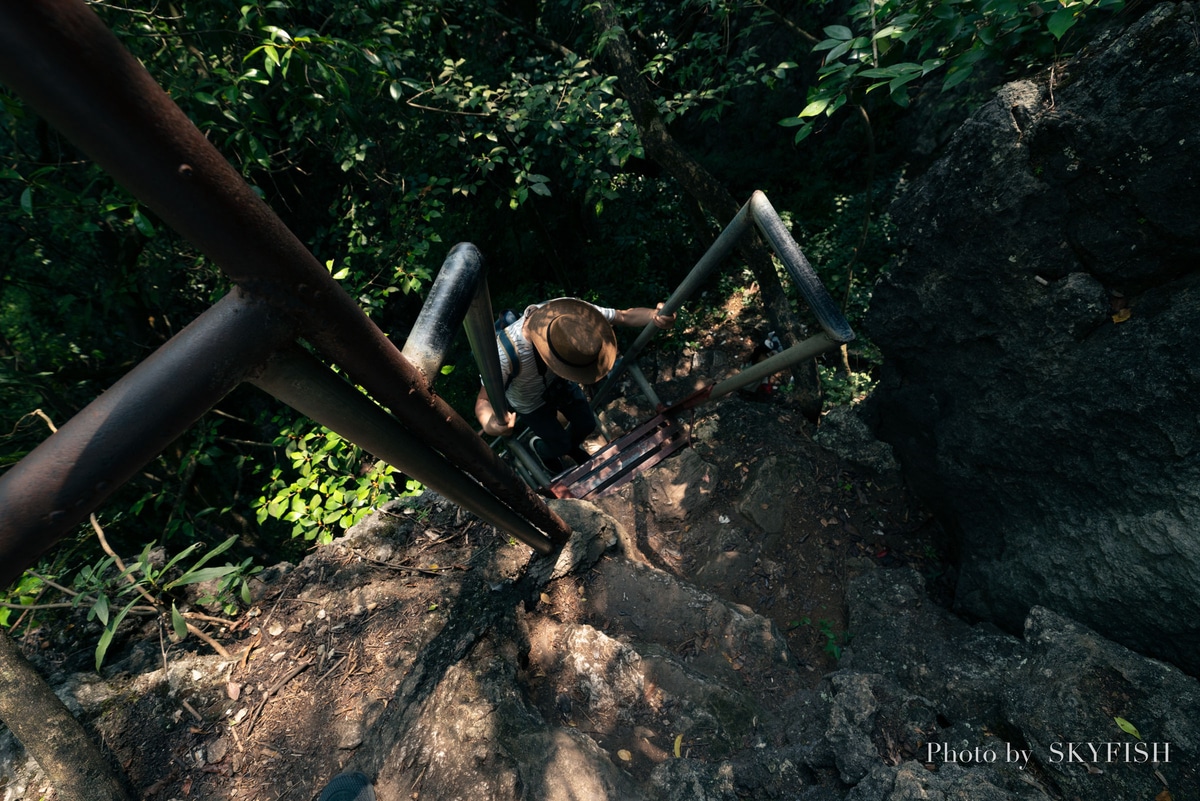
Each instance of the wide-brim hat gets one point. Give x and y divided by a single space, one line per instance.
573 338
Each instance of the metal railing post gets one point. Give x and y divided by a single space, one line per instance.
454 289
759 211
810 348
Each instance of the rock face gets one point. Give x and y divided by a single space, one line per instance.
1040 337
1048 707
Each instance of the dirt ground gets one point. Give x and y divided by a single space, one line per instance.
320 656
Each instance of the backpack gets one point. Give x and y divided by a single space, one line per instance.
507 318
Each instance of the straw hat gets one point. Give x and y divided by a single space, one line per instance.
573 338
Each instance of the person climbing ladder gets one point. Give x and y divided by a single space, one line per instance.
550 350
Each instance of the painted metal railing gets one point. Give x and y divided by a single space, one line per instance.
62 60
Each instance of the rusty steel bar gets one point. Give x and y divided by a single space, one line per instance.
311 388
54 488
71 69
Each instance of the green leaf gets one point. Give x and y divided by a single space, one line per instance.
1061 21
107 635
957 76
840 50
143 224
101 609
204 574
815 107
839 32
178 623
27 201
882 72
1127 727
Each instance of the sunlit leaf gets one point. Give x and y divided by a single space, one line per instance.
1127 727
815 107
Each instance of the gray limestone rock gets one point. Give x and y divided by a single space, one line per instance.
1040 334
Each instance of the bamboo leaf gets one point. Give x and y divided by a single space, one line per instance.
178 623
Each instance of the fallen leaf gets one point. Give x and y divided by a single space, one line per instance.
1122 315
624 755
1165 795
1127 727
545 598
679 747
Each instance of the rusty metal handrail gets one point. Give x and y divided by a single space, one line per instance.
54 488
61 58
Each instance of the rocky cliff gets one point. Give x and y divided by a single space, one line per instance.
1040 335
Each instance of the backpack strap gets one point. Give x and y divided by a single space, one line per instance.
511 350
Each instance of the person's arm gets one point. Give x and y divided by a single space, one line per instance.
639 317
493 425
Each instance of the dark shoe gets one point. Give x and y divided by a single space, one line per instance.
348 787
553 464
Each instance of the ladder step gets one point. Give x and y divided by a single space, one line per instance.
619 461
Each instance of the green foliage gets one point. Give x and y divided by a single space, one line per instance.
147 585
892 45
143 581
833 640
845 389
333 484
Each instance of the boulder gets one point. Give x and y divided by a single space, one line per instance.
926 706
1042 345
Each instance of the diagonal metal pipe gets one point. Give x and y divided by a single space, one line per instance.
299 380
59 56
54 488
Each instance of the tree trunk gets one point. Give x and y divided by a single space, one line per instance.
44 726
713 196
